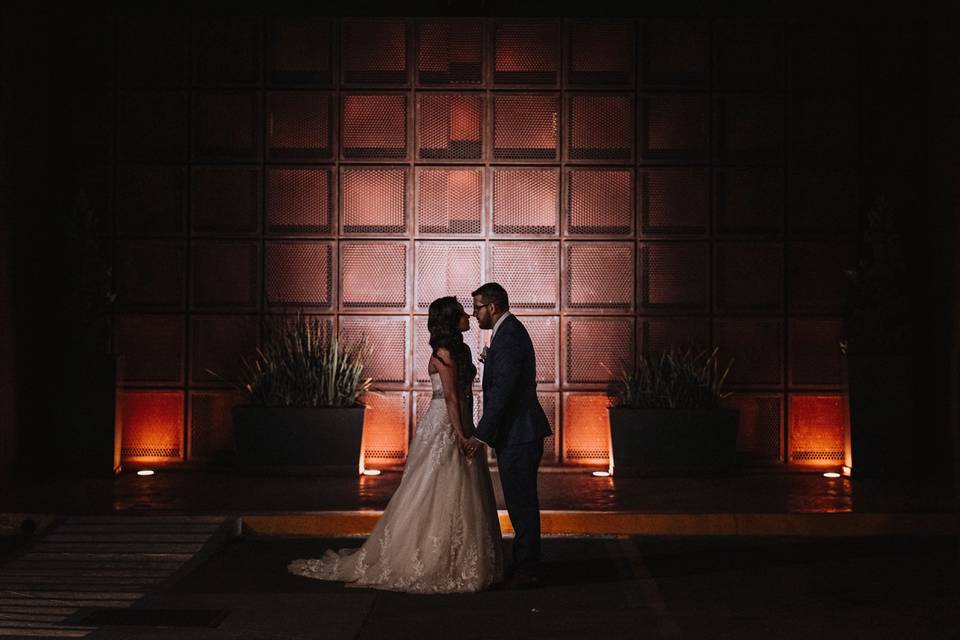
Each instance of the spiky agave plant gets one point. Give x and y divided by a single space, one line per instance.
671 379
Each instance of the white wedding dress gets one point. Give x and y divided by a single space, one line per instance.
439 533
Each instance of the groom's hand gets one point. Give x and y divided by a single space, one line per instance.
473 445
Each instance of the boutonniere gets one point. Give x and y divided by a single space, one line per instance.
483 354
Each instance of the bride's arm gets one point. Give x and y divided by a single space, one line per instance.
448 376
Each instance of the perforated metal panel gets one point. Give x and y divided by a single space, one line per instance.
373 274
151 347
749 54
450 52
211 423
756 346
758 263
374 51
673 127
449 201
601 127
374 200
526 127
225 199
551 444
385 428
749 200
447 269
150 199
816 429
599 201
300 50
545 334
226 50
749 128
598 275
528 271
674 277
825 128
152 126
760 431
91 125
226 125
386 338
674 201
422 350
600 53
817 283
225 273
300 125
675 53
374 126
152 50
150 274
218 344
299 200
823 54
526 52
526 201
595 349
659 334
822 201
815 358
151 424
586 429
300 273
450 126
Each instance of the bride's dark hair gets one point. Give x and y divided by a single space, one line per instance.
443 322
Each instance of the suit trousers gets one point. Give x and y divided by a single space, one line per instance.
518 466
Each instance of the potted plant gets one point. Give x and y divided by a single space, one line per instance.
666 418
305 405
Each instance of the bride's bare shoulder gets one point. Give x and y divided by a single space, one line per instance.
440 358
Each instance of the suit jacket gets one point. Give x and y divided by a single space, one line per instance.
511 411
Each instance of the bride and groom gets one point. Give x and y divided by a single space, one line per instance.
440 532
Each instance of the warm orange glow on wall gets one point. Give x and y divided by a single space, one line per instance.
586 429
152 423
385 429
816 429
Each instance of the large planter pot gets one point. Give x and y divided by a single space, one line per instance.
882 410
320 440
673 441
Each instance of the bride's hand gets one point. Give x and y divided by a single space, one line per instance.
462 444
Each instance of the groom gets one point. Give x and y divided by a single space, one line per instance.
513 423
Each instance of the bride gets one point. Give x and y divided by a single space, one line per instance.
440 532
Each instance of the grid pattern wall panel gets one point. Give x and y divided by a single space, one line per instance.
300 50
300 200
816 431
152 348
152 126
526 52
211 423
374 200
447 269
595 348
374 125
551 444
450 126
673 128
226 50
300 125
823 54
373 274
756 346
749 200
450 52
300 273
526 201
600 53
422 350
674 277
150 199
529 271
749 54
151 424
674 201
760 264
599 202
386 338
674 53
526 127
226 126
760 432
815 359
91 125
598 276
150 274
658 334
218 344
449 201
545 334
749 128
822 201
817 283
225 273
385 421
601 127
824 129
374 51
586 429
152 50
225 199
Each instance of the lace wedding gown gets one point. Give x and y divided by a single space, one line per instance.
439 533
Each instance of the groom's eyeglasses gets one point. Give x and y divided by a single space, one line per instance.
476 309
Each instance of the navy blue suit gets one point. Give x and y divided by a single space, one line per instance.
514 424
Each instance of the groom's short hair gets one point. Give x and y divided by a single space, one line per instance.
493 292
